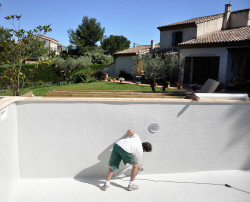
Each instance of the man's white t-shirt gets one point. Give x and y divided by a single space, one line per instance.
132 144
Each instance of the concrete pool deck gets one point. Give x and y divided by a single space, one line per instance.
180 187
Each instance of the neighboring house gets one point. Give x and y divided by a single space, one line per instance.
52 44
216 46
124 60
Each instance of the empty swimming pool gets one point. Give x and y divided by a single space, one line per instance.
58 149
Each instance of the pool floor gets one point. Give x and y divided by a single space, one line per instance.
181 187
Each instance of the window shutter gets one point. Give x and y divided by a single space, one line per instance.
178 37
173 38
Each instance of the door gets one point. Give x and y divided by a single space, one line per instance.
187 70
205 68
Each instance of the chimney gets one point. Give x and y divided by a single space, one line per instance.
152 46
133 45
139 53
226 20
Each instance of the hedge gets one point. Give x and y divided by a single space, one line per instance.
42 72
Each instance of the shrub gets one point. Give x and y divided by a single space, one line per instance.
42 72
70 67
84 74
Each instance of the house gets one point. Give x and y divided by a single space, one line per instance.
124 64
215 46
52 44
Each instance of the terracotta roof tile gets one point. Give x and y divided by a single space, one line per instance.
47 38
194 21
190 23
135 50
227 37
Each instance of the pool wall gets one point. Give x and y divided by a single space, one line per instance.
9 163
68 139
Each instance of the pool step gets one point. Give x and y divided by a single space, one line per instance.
120 94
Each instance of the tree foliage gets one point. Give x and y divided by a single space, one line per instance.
151 67
88 33
36 48
98 57
15 51
4 36
70 65
172 63
167 65
114 43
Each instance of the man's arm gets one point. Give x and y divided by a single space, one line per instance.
130 133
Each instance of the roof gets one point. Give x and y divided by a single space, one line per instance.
47 38
226 38
135 50
189 23
194 21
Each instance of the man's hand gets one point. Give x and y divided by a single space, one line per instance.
130 133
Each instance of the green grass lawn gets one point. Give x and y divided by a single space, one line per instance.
100 85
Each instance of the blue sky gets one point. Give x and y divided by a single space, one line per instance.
135 19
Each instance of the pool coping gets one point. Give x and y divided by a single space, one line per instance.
7 100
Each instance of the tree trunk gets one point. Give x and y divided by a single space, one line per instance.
164 85
152 86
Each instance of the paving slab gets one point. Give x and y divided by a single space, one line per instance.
181 187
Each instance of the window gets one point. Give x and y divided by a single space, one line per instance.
176 38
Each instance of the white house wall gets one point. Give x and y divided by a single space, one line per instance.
9 163
240 19
208 52
124 63
111 70
69 139
166 36
51 45
209 27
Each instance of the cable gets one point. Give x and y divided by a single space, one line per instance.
198 183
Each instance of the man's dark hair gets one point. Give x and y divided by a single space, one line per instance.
147 146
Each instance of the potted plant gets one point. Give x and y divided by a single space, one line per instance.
180 85
194 87
155 84
114 79
109 79
168 84
121 79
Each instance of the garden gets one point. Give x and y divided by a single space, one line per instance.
79 67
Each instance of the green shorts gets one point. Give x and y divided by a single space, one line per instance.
119 154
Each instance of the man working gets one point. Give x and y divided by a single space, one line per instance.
130 151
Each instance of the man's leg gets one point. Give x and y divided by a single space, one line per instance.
109 175
114 163
131 185
134 172
107 183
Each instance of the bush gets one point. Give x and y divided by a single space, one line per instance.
45 72
70 67
42 72
90 79
90 73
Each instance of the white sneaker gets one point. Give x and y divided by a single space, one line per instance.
105 187
132 187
